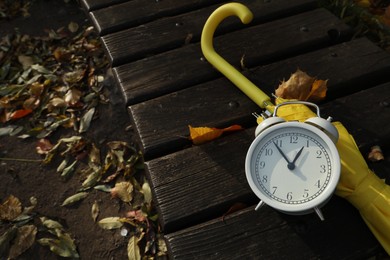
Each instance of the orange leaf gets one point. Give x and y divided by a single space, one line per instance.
20 113
199 135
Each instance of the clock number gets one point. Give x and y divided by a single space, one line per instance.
323 168
265 178
262 165
319 153
306 193
293 139
275 188
307 143
318 184
278 143
268 152
289 195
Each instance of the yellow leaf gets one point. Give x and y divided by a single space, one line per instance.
11 208
199 135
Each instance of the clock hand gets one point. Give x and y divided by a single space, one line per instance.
284 156
295 159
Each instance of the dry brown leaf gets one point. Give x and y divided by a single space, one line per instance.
301 86
10 209
95 211
24 239
123 190
44 146
376 154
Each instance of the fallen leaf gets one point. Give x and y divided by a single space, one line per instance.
51 224
44 146
25 61
86 120
376 154
24 239
72 96
64 246
74 198
123 191
95 211
133 251
110 223
301 86
10 209
5 240
20 113
73 27
147 192
199 135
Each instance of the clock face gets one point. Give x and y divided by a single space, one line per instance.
293 166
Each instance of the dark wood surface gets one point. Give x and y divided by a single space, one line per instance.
154 50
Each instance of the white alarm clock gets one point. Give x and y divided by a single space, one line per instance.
294 167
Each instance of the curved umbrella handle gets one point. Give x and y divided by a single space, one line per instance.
244 84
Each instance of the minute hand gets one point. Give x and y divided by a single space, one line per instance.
281 152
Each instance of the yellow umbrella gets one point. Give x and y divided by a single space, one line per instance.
358 184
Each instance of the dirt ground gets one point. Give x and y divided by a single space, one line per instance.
26 179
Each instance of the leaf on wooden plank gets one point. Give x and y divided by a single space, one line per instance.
74 198
86 120
110 223
24 239
301 86
133 250
95 211
199 135
10 209
123 190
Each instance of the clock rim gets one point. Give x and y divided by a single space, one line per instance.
322 198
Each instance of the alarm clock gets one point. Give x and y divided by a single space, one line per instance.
293 166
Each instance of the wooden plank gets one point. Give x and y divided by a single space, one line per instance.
136 12
204 181
173 32
181 68
91 5
349 67
266 234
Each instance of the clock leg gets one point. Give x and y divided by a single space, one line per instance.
261 203
319 213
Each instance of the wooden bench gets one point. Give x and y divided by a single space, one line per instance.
154 50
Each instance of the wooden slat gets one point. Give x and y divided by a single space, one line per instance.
174 32
181 68
136 12
203 181
91 5
248 234
349 67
